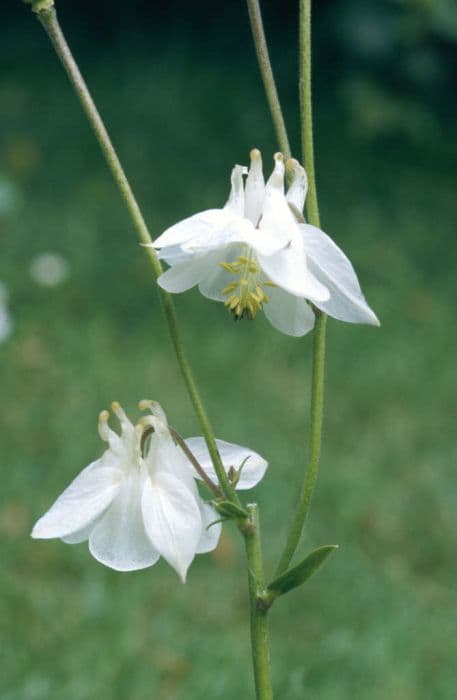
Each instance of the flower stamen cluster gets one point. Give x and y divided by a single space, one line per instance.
247 295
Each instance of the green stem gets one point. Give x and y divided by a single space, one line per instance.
266 71
259 622
306 110
318 370
317 411
48 19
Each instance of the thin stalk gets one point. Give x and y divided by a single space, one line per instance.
317 412
259 622
266 71
306 110
318 370
48 19
194 461
179 440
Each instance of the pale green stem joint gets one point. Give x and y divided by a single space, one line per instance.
258 611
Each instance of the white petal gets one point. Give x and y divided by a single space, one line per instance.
172 519
119 540
236 198
157 412
288 269
187 274
127 427
107 434
333 268
204 222
124 448
232 456
277 217
164 457
296 194
82 502
289 314
276 180
211 529
254 189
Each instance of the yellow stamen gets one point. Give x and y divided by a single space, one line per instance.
227 266
230 288
245 296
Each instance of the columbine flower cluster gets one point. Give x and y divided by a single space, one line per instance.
140 500
257 253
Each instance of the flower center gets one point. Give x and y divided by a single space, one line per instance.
245 295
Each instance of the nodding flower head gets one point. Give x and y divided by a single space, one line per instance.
140 500
257 254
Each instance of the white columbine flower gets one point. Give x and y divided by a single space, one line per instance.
256 253
134 508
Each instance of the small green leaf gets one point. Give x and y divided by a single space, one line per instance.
234 474
230 510
292 578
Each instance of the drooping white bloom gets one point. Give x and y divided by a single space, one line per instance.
257 253
134 508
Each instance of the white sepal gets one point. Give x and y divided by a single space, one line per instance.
289 314
119 540
217 278
82 502
172 520
236 230
331 266
288 269
186 275
252 465
211 528
205 222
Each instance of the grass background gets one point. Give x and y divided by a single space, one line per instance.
183 103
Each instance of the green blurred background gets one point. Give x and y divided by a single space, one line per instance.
179 89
